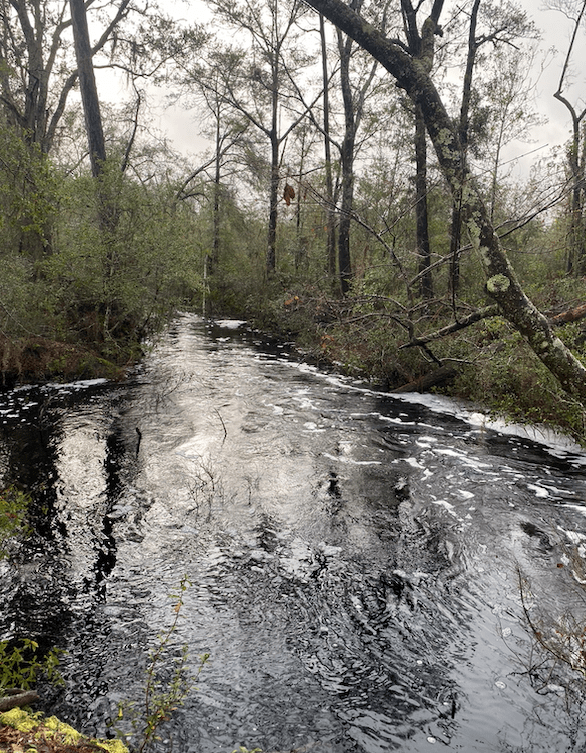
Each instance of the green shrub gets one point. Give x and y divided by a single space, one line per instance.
21 664
13 508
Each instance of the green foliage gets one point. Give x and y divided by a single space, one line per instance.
29 201
99 263
20 660
128 257
21 664
29 197
163 692
13 508
504 375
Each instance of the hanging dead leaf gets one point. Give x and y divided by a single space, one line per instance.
288 194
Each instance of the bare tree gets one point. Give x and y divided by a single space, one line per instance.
501 25
330 200
37 70
577 148
421 48
257 88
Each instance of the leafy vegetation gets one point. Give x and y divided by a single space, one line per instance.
13 507
21 661
96 258
21 664
87 306
321 216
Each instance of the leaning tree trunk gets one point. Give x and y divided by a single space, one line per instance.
502 284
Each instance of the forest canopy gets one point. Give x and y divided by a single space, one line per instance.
353 193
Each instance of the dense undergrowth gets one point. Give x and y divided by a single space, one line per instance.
79 297
82 291
487 363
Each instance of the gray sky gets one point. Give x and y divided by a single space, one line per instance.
181 129
556 31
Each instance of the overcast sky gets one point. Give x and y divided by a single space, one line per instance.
556 31
181 129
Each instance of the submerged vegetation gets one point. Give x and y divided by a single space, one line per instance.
166 687
556 663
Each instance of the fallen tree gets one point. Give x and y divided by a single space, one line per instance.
502 284
566 317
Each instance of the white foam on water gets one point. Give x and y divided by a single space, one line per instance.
341 459
539 490
230 323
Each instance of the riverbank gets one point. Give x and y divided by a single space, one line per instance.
488 364
38 359
21 730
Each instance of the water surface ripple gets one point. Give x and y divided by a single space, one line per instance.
354 555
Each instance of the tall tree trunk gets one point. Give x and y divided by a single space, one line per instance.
502 284
33 117
108 210
344 260
300 240
463 128
421 216
273 207
421 47
576 257
275 144
330 215
353 112
347 158
87 83
215 258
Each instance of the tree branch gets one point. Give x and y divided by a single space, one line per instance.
475 316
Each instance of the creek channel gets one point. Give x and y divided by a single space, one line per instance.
354 556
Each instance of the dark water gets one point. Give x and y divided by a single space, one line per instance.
353 556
